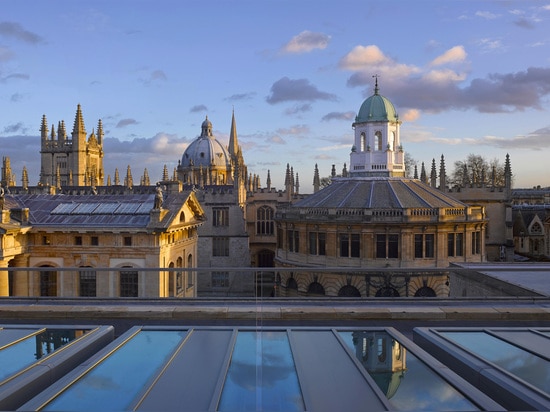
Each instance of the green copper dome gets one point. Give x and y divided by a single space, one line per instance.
376 109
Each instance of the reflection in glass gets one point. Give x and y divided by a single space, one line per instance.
525 365
113 384
261 375
20 355
405 380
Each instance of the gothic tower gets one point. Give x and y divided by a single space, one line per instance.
77 161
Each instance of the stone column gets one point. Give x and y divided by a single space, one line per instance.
4 279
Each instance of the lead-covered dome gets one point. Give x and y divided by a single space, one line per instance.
376 108
206 151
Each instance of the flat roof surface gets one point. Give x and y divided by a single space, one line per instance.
530 276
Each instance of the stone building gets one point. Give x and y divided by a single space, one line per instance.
218 176
74 161
376 218
100 231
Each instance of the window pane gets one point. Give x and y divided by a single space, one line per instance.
380 246
344 245
418 240
450 244
322 242
393 246
312 243
355 245
429 246
460 244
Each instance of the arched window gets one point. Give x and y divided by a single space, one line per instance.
189 274
182 217
378 140
264 221
363 142
425 292
315 289
387 292
394 143
349 292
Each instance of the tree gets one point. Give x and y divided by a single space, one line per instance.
477 170
410 163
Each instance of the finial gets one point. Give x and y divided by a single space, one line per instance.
375 83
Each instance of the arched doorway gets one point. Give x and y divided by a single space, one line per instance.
315 289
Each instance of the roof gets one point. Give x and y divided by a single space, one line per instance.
379 193
377 108
122 211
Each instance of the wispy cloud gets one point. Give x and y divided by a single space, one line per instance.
285 89
16 31
487 15
126 122
338 116
306 42
456 54
198 108
240 97
294 130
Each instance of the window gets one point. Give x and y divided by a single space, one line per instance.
317 243
363 142
127 240
94 241
264 221
220 246
220 279
48 283
78 240
387 246
293 240
45 240
279 238
87 281
128 284
220 216
350 245
423 246
476 243
378 140
455 244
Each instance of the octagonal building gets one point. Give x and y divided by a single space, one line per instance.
373 218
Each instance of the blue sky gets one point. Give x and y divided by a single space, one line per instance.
465 77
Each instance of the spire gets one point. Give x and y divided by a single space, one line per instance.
297 184
333 171
165 174
78 127
25 178
61 132
415 172
108 180
117 177
287 176
233 140
146 180
175 175
423 177
44 128
52 135
375 83
100 133
345 171
507 172
433 175
268 182
316 179
128 180
442 174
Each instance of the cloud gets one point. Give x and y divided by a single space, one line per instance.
294 130
338 116
198 108
305 42
285 89
15 128
15 76
5 54
240 97
126 122
298 109
490 45
486 15
524 23
16 97
411 115
277 140
363 56
14 30
153 77
453 55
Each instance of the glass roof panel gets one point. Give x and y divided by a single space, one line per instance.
106 208
408 383
64 208
127 208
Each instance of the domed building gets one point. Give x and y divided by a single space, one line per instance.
372 218
217 174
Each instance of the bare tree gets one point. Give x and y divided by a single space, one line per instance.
477 170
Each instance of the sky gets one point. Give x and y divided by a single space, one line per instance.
466 77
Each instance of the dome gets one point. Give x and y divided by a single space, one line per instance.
376 108
206 151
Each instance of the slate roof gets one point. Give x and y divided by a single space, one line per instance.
94 211
379 193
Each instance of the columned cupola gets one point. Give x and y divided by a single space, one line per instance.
377 149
